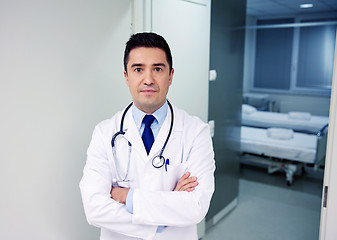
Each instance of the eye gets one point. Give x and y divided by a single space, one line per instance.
158 69
138 70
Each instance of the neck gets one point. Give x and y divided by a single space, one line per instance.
149 110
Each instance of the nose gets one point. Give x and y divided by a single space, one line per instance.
148 77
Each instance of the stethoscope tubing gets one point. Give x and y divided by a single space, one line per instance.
121 127
121 132
170 131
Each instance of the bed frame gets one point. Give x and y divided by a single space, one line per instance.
289 166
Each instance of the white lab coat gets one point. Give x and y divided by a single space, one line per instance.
154 203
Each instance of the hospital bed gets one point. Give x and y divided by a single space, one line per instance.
298 121
281 148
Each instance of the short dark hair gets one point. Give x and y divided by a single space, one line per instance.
149 40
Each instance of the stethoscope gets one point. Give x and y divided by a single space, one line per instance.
157 161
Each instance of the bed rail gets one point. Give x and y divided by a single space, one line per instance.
321 147
323 130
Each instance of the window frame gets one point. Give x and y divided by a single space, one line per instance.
293 88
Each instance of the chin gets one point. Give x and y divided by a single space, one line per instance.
149 107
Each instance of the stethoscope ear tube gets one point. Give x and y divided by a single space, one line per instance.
114 138
121 126
123 116
170 131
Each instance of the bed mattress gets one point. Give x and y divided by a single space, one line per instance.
274 119
301 147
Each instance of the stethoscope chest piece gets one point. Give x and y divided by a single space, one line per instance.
158 161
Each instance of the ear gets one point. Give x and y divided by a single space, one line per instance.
171 76
126 78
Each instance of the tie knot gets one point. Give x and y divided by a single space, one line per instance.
148 120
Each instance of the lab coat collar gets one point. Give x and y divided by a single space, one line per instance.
133 136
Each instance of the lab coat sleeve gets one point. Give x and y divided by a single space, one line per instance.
100 209
173 208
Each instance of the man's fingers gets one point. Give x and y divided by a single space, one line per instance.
189 186
186 183
184 177
180 182
190 189
119 194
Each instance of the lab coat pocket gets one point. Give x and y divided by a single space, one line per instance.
172 175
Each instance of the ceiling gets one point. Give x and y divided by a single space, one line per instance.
263 8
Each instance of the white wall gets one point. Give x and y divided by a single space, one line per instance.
61 73
188 34
316 105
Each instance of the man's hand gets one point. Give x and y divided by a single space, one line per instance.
186 183
119 194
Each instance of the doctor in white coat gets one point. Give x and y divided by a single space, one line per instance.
126 191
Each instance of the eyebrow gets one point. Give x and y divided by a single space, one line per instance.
137 65
154 65
159 65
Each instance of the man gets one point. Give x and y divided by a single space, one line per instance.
129 189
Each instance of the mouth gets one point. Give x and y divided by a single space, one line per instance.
148 91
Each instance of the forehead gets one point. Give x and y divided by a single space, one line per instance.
145 55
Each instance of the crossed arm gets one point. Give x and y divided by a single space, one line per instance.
185 183
186 204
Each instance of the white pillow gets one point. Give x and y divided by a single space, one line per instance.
248 109
299 115
280 133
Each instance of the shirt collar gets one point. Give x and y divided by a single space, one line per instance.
159 114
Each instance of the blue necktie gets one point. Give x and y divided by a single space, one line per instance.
147 136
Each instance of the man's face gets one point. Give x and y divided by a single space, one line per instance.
148 77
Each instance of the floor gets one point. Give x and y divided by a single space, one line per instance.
269 209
